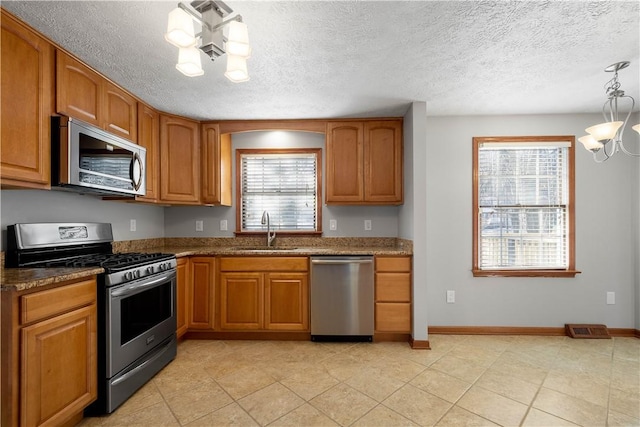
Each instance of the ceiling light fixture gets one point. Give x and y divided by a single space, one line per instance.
607 136
211 40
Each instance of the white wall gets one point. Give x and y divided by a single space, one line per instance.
412 222
60 206
606 234
180 220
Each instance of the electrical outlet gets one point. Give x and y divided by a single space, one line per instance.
611 298
132 225
367 224
333 224
451 297
223 225
199 225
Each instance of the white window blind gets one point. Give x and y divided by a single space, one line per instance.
285 185
523 206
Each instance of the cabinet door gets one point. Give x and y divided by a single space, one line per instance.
216 166
148 137
182 296
78 90
59 368
287 301
241 301
345 162
202 292
383 162
179 160
27 104
121 113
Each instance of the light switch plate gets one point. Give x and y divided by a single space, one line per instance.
132 225
199 225
333 224
451 297
223 225
367 224
611 298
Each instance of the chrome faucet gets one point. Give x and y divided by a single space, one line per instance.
265 220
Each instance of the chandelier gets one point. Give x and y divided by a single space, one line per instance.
210 15
607 137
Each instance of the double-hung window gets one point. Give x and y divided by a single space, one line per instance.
285 183
523 206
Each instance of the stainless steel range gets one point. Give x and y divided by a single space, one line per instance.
136 300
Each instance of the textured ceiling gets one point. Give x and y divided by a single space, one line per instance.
326 59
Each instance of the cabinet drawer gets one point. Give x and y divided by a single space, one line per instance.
393 264
41 305
393 317
264 264
395 287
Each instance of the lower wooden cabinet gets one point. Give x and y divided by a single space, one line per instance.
182 296
393 294
201 293
264 293
49 354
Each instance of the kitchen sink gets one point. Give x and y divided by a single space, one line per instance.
263 248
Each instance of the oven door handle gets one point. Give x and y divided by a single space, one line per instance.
134 288
141 366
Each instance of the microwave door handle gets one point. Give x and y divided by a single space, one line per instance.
136 171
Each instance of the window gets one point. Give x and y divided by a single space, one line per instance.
285 183
523 206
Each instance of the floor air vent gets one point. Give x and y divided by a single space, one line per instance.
586 331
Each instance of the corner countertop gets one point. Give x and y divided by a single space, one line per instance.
22 279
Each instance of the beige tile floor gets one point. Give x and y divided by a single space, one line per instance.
461 381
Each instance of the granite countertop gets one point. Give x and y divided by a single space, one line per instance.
182 251
21 279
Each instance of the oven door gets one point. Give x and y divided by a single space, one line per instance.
141 314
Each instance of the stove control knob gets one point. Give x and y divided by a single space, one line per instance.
137 272
150 269
127 275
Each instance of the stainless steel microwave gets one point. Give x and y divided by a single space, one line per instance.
87 159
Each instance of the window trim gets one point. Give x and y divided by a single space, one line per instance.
318 154
570 271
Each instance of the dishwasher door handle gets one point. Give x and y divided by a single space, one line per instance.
341 261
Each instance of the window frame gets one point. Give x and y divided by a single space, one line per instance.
570 271
275 151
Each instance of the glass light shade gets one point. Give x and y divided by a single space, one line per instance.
238 40
180 29
604 131
636 128
236 69
189 62
590 143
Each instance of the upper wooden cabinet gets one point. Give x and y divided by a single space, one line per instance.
27 105
216 166
179 160
88 96
149 138
364 162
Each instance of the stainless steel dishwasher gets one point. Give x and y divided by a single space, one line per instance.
342 301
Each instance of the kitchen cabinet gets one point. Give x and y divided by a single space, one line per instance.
182 296
149 138
216 166
393 294
202 293
49 355
179 160
27 105
84 94
264 293
364 162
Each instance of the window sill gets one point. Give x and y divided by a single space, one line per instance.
525 273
